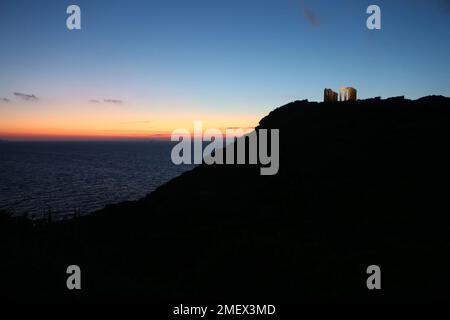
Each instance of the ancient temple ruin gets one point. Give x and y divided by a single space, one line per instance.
330 96
345 94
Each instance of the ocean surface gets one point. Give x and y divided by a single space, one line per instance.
61 177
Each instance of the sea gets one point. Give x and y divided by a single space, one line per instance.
68 177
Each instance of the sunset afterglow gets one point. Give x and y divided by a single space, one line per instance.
107 122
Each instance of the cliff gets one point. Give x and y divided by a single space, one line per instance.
360 183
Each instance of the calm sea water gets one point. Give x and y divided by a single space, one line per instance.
36 177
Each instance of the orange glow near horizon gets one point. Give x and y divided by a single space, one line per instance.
110 123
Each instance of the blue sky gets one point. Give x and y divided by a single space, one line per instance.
222 56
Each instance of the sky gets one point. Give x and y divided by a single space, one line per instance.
145 68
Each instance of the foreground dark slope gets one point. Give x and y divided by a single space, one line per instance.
360 183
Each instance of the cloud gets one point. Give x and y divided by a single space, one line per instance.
6 100
309 14
26 97
115 101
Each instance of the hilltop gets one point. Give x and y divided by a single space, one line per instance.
360 183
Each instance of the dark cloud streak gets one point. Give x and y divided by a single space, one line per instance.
115 101
26 97
309 14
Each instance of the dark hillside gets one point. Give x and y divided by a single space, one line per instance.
360 183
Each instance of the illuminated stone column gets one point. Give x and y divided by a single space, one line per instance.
347 94
342 94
